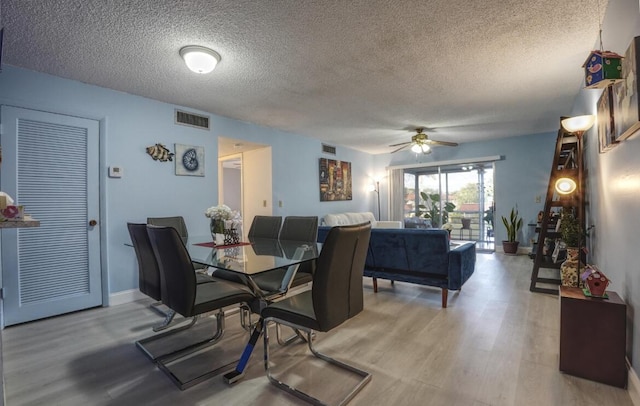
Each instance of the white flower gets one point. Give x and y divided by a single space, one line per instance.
232 218
221 212
447 226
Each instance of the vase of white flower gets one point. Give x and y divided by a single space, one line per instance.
222 219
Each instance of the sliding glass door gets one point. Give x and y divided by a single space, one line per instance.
460 196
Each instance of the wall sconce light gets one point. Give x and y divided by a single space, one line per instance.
200 59
375 187
565 186
578 124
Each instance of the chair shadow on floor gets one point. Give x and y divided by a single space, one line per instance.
121 374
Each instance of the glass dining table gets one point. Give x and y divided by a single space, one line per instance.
248 260
255 257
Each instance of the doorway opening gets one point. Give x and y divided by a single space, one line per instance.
458 196
245 179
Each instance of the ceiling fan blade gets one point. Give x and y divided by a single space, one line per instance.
402 143
401 148
445 143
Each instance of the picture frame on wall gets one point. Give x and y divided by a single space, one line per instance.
335 180
625 106
606 123
189 160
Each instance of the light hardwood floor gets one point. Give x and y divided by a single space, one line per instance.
496 344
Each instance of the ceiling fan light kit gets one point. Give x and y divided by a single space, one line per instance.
424 148
420 142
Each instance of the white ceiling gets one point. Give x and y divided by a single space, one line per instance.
358 73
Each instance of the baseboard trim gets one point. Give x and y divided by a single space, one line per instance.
126 296
633 386
521 250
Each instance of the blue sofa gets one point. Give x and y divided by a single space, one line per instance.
421 256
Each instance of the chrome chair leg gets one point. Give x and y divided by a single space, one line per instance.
168 318
141 343
155 306
365 376
283 342
199 345
245 314
165 361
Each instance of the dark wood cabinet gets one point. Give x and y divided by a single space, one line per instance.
593 337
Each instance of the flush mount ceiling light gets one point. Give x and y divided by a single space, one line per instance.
200 59
565 186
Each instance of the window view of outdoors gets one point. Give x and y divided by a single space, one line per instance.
460 197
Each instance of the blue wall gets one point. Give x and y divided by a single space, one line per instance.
520 176
148 188
613 185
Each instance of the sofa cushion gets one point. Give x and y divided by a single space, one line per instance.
345 219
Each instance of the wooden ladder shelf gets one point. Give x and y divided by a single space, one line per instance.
567 162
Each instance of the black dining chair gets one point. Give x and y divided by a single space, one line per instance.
335 296
265 227
179 224
181 293
149 283
149 273
294 228
262 227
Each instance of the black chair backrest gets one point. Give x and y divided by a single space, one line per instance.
177 277
299 228
148 271
265 227
337 283
176 222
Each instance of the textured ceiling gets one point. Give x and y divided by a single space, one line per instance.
358 73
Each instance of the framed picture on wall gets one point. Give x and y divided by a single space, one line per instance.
189 160
606 125
625 106
335 180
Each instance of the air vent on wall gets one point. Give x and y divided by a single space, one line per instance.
192 120
328 149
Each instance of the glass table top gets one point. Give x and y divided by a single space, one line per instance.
260 255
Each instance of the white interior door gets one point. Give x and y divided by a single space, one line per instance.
51 166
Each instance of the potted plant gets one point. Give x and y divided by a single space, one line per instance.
513 225
431 209
572 235
570 230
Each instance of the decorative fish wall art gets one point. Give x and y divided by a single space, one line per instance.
160 153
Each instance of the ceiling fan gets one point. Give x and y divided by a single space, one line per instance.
420 142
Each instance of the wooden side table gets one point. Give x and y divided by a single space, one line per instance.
593 337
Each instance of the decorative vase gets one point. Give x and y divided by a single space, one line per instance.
217 231
231 236
569 269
